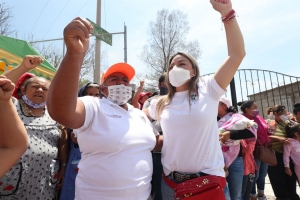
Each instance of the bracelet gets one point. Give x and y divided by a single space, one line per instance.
228 17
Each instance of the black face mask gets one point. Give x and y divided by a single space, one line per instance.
163 90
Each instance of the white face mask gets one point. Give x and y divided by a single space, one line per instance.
119 94
178 76
284 117
271 116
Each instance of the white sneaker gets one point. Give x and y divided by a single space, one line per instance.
262 198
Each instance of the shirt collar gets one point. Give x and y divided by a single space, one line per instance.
249 116
105 100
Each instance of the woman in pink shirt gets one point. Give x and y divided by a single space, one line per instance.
251 111
296 112
292 150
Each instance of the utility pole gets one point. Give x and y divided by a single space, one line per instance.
98 46
125 43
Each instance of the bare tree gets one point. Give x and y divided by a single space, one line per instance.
5 18
53 53
167 36
149 86
87 68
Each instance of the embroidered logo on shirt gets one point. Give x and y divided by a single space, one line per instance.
113 116
194 98
143 118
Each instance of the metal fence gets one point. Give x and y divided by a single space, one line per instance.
266 88
54 49
115 53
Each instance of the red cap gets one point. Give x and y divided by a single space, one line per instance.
20 81
144 94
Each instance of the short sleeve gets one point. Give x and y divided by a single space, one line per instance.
152 108
146 104
210 86
90 105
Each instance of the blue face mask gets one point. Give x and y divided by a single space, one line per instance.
31 104
163 90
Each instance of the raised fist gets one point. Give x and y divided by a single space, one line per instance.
31 62
142 83
6 88
222 6
76 36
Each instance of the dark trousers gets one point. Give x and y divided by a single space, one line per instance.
284 186
247 186
156 177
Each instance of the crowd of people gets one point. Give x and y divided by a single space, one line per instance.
61 142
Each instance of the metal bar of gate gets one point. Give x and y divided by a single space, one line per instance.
246 84
241 85
233 93
252 83
272 89
262 107
286 97
292 90
266 89
279 88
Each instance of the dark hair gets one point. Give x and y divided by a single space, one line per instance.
296 108
269 110
154 94
29 81
245 104
276 109
232 109
162 78
90 85
291 128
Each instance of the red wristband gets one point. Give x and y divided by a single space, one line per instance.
229 16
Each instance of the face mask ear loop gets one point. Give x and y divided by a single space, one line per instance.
102 86
194 72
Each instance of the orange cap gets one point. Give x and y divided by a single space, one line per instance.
123 68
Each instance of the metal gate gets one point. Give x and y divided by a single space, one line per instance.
266 88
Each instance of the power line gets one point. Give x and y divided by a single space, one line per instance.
81 9
56 19
62 52
39 16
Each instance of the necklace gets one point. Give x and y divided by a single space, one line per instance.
26 109
279 124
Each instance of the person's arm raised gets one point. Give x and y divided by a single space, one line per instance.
235 45
13 135
135 98
29 62
62 103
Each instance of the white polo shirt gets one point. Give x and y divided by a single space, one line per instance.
191 136
116 149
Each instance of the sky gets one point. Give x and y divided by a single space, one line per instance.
271 28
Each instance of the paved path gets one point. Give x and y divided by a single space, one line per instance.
269 191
